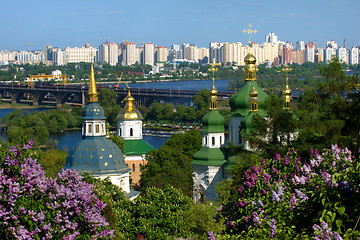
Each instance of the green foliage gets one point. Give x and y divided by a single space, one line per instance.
52 161
118 141
271 133
201 102
39 125
296 197
170 165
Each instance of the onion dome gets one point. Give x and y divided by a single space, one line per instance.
208 157
250 59
129 112
92 111
213 122
239 102
96 155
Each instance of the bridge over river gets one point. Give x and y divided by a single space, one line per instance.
77 94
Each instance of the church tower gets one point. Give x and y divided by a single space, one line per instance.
96 154
208 161
129 128
240 106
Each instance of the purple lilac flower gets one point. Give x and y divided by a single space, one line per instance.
263 162
280 192
293 202
324 232
275 197
272 228
263 191
277 157
211 235
326 176
301 195
287 160
255 169
256 219
260 203
266 178
276 172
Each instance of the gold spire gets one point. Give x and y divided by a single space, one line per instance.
250 60
287 91
92 94
129 101
253 100
213 92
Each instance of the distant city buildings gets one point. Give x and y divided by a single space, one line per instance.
271 52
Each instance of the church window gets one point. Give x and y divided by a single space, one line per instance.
97 128
133 167
205 140
102 127
131 132
90 128
213 141
140 165
120 132
220 139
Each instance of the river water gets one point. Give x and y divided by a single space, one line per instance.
66 139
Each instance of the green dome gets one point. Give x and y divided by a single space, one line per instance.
93 111
209 157
96 155
239 102
213 122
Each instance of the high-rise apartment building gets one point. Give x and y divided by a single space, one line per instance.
342 54
108 53
161 54
103 53
319 55
354 55
300 45
331 44
128 53
329 53
271 38
287 55
148 54
310 48
299 56
215 52
77 55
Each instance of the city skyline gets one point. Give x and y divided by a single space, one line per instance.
75 23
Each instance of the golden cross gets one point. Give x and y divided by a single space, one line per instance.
213 69
286 69
249 31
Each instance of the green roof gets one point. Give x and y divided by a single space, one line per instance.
137 147
239 102
209 157
213 122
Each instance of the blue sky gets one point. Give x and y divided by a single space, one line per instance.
74 23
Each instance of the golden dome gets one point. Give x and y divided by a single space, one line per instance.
253 93
129 112
250 59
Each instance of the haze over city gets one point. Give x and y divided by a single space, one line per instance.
74 23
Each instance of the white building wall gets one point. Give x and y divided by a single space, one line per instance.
130 129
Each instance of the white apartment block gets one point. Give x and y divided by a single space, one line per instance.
342 54
108 53
128 53
271 38
354 55
215 52
77 55
148 54
329 53
310 52
6 57
300 45
161 54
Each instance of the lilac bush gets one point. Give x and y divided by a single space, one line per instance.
35 207
286 197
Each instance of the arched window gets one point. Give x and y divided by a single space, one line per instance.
213 141
120 133
97 128
90 128
131 132
133 167
205 141
220 140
